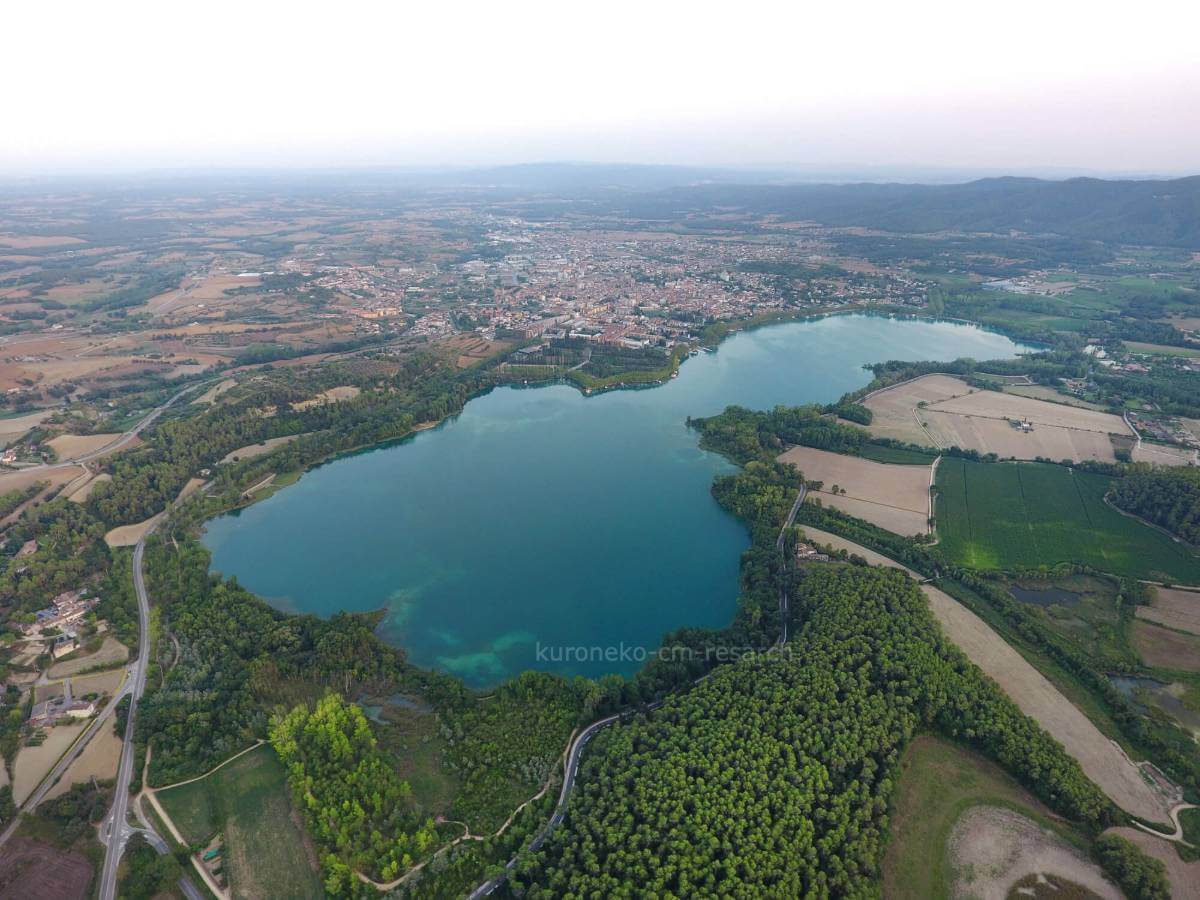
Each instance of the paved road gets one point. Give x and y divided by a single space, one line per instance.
60 769
783 597
125 438
569 773
115 831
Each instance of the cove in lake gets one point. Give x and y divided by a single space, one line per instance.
540 519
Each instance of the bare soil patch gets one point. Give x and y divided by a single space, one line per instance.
890 496
1174 608
31 870
992 848
1102 760
1166 649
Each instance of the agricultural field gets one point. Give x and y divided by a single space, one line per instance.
940 781
1026 515
1173 608
895 497
248 803
943 411
1050 395
1163 648
33 870
1101 759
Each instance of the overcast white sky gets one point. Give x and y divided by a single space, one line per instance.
1011 85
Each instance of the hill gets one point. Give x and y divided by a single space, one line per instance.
1161 213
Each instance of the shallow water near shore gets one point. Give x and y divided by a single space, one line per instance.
542 529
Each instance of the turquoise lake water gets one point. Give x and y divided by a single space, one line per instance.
541 518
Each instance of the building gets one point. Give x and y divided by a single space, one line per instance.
67 609
48 712
64 644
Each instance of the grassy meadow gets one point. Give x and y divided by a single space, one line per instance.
248 802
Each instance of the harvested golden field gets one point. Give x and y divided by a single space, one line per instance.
890 496
69 446
255 450
81 493
1102 760
98 760
211 395
894 408
1162 455
38 241
1041 392
107 682
128 535
34 763
23 478
1166 649
111 652
333 395
943 411
14 427
1174 608
837 542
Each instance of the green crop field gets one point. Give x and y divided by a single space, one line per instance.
1024 515
249 804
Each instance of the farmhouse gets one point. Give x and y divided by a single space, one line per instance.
50 711
64 644
68 607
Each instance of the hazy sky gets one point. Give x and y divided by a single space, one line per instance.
1053 83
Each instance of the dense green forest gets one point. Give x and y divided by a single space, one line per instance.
773 776
1170 498
356 807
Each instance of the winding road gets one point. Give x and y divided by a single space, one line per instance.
571 768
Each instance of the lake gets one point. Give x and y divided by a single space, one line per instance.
544 529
